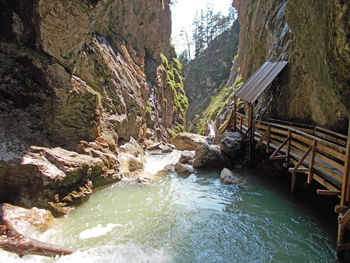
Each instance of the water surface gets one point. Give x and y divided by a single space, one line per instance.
190 219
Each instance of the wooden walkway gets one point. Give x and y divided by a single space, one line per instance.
313 152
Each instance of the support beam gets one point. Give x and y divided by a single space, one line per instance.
312 161
234 113
264 137
278 149
289 144
346 180
344 219
327 192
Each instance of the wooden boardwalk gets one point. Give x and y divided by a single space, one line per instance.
311 152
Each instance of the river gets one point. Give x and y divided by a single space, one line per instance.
190 219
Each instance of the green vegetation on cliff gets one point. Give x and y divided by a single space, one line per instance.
173 68
206 77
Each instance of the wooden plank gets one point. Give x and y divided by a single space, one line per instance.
327 192
330 138
321 147
279 148
346 180
278 157
263 138
312 161
332 132
298 170
330 162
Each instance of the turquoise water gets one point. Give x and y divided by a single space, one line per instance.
192 219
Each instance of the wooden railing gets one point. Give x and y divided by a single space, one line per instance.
314 151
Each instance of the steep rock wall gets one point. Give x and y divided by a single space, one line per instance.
206 75
314 37
80 75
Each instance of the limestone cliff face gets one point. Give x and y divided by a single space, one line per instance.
314 37
206 75
81 75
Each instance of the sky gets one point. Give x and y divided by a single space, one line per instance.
184 11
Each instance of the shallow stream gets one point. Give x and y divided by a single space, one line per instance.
190 219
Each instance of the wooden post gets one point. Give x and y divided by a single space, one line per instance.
250 130
250 122
288 144
344 200
234 113
312 161
346 182
268 140
240 124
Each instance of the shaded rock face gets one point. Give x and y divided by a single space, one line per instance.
75 81
313 36
205 75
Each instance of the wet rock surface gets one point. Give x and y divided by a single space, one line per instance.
228 177
184 169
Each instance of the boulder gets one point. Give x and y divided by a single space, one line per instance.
165 148
207 156
231 144
49 176
228 177
186 156
135 164
25 220
188 141
184 169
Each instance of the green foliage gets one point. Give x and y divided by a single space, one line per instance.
172 133
175 82
149 109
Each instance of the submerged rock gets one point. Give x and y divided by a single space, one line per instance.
188 141
184 169
228 177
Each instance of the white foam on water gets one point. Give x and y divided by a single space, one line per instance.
97 231
156 163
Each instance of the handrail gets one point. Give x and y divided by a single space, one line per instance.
312 137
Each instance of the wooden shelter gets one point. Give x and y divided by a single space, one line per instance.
252 90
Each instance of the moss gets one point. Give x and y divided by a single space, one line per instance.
175 82
98 94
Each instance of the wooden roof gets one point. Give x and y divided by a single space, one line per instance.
260 81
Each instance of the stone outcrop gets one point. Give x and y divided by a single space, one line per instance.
188 141
77 81
313 36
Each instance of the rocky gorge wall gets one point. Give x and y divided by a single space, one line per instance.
78 79
206 75
313 36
